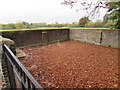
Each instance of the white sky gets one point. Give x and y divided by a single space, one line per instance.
49 11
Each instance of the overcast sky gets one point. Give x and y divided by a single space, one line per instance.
50 11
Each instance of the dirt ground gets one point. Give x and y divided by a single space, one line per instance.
73 64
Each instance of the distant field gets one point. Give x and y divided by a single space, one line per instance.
87 28
52 28
35 28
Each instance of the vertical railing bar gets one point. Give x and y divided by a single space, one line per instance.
28 82
21 73
19 78
23 86
24 77
17 68
33 86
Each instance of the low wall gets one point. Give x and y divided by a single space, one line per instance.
36 37
111 38
106 37
90 36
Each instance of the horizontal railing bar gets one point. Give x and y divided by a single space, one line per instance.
9 52
12 65
16 70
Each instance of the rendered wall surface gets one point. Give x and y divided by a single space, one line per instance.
90 36
110 38
105 37
58 35
23 38
36 37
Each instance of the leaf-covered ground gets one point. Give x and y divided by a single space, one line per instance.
73 64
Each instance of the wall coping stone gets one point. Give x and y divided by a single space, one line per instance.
6 41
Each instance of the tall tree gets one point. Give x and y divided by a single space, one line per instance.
98 23
89 24
83 21
109 24
112 6
115 16
106 18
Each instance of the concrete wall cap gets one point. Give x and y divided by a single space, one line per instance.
6 41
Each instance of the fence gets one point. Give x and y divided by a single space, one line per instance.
17 73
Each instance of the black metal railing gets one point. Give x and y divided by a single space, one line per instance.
17 70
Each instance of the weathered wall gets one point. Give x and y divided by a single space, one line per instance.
90 36
104 37
110 38
37 37
23 38
58 35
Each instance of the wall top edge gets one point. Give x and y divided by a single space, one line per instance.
55 29
32 30
92 29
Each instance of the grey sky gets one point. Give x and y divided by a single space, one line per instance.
49 11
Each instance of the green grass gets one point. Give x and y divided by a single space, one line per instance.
52 28
87 28
34 28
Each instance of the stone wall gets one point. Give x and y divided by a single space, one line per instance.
110 38
37 37
106 37
90 36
